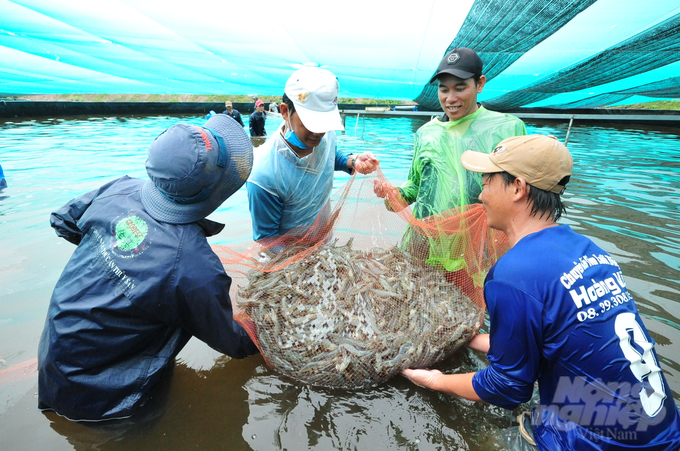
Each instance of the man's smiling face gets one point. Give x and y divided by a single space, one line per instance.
458 97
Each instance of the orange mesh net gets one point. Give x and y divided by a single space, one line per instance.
352 301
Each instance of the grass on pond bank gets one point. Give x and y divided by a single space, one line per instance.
658 105
186 98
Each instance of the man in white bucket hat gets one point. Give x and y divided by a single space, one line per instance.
143 279
292 176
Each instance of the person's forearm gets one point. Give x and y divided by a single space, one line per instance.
457 384
480 343
409 191
395 201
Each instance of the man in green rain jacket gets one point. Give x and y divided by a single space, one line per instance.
437 181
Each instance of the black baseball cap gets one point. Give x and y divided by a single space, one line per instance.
462 62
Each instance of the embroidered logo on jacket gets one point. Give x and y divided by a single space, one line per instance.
129 236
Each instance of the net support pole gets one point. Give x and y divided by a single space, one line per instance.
571 121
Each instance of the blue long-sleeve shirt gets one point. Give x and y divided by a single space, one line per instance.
285 191
561 315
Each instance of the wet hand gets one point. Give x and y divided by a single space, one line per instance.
366 163
383 189
423 378
393 200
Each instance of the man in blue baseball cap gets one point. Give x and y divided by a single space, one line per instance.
143 279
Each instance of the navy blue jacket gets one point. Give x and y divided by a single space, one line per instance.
256 123
133 293
235 114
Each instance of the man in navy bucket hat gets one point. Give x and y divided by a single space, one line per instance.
143 279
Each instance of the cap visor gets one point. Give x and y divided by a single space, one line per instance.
478 162
455 72
320 122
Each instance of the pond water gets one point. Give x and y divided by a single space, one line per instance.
625 195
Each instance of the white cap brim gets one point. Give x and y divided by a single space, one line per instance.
319 121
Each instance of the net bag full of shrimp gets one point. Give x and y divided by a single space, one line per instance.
365 291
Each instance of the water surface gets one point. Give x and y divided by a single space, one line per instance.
625 195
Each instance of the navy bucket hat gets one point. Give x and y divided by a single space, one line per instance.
193 170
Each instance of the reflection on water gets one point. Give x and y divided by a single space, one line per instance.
394 415
624 194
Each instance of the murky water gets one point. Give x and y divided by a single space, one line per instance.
625 194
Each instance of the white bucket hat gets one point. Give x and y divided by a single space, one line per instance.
314 92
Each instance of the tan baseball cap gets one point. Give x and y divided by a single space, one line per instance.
542 161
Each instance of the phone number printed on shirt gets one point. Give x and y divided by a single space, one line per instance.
604 306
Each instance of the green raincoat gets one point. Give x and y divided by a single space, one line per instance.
437 181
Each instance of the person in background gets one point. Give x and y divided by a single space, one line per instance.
143 278
232 112
3 182
257 120
273 107
436 180
292 177
560 314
